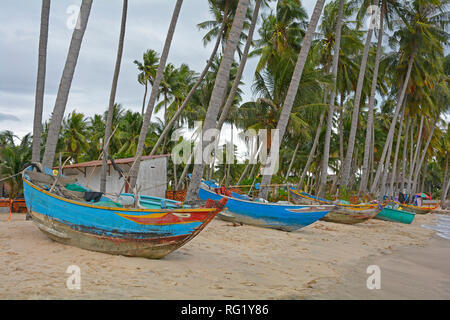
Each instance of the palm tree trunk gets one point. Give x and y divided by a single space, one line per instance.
365 169
416 156
227 175
341 143
411 152
253 172
244 173
292 91
372 155
341 130
40 82
424 152
424 176
194 88
175 174
397 149
292 161
112 97
352 179
394 120
250 162
351 140
134 171
219 91
317 180
145 98
445 183
312 152
230 160
185 170
446 189
387 166
326 150
65 84
405 154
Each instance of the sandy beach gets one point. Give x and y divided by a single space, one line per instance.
321 261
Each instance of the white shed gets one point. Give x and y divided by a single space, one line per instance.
152 178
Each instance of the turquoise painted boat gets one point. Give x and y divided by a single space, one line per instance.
392 213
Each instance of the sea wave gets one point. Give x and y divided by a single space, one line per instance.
442 226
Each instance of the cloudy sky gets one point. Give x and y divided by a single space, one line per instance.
147 25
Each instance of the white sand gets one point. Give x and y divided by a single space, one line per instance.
223 262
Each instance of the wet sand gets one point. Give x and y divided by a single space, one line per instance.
407 273
324 260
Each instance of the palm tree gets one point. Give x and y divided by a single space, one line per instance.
421 34
40 82
64 86
153 95
365 169
95 134
7 138
216 6
281 33
219 27
148 71
219 90
174 87
346 167
397 150
128 134
74 135
112 97
169 81
293 87
312 151
337 50
237 81
13 159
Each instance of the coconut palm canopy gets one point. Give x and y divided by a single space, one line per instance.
357 115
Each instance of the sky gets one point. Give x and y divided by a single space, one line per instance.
147 26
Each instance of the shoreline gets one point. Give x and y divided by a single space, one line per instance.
222 262
407 273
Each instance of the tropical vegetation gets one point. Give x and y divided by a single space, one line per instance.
356 115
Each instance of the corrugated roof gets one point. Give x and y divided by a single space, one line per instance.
97 163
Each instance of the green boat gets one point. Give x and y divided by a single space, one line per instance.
392 213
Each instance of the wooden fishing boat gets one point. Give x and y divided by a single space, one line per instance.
286 217
392 213
153 230
343 213
416 209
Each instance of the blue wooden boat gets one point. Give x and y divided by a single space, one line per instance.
157 228
285 217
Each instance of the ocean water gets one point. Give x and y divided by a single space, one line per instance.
442 226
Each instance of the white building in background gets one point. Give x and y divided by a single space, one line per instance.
152 178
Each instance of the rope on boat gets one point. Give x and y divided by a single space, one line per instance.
12 176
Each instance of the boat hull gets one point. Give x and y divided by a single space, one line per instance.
393 215
267 215
149 233
348 216
416 209
345 214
